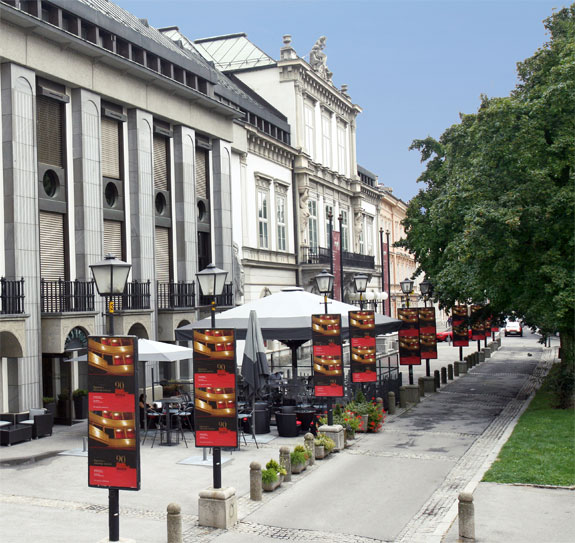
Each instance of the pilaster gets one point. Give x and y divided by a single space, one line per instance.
222 202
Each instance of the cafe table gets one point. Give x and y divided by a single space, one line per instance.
167 413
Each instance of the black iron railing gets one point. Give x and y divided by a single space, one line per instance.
357 260
66 296
314 255
11 296
225 299
176 295
136 296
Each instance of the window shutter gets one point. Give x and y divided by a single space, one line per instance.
110 148
113 238
52 254
160 162
202 190
50 131
162 254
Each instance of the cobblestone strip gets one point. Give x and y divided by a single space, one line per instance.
386 454
423 528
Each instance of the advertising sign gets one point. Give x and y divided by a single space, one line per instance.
113 429
215 411
459 325
409 349
427 332
327 355
476 321
362 340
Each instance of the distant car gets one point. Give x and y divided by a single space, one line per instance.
447 335
513 328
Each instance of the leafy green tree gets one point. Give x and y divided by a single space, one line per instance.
495 220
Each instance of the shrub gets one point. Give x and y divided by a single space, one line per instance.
326 442
297 458
79 392
47 399
272 464
269 476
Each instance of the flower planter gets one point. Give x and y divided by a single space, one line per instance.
298 468
270 487
320 452
364 423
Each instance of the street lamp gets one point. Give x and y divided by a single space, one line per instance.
324 283
360 282
425 288
407 288
212 281
110 276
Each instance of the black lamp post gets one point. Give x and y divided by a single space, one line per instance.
324 283
388 271
340 219
425 289
407 288
110 276
360 282
212 281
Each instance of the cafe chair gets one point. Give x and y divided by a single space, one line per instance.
287 424
40 422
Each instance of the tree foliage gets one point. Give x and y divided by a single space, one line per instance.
495 220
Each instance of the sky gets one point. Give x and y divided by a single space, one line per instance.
412 66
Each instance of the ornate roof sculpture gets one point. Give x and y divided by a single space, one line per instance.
318 59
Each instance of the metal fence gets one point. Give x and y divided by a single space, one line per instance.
176 295
66 296
136 296
11 296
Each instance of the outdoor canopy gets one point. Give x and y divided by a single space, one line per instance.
285 316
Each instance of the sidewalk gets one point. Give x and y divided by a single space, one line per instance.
397 485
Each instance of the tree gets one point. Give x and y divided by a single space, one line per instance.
495 220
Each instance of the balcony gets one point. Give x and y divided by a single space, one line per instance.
356 260
11 296
321 255
136 296
176 295
315 255
225 299
66 296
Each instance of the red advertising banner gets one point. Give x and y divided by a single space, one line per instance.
362 340
336 244
476 321
427 333
327 355
409 349
113 431
215 409
459 326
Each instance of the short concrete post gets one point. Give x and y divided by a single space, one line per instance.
488 351
402 397
450 372
285 462
437 379
391 403
256 481
481 356
174 523
309 442
421 384
466 517
456 368
379 402
443 376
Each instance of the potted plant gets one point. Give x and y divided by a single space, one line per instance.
270 479
325 444
80 396
302 449
63 408
272 464
50 405
298 461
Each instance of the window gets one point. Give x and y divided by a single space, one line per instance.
344 230
281 221
308 129
369 235
312 225
328 228
342 166
263 219
326 138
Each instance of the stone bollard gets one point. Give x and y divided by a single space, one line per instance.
466 517
487 351
256 481
437 379
421 384
456 368
285 462
379 402
411 393
175 523
461 367
428 384
309 443
402 397
443 376
450 372
481 356
391 403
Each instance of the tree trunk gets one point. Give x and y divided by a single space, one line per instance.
565 383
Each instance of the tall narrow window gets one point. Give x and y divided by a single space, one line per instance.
111 130
369 235
344 231
328 227
281 221
161 162
263 219
50 131
312 226
308 127
326 138
342 163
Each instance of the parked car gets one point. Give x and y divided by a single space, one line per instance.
513 328
447 335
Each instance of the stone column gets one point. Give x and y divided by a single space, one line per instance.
222 206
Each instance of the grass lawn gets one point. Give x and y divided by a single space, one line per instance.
541 449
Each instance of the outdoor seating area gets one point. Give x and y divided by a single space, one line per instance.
19 427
